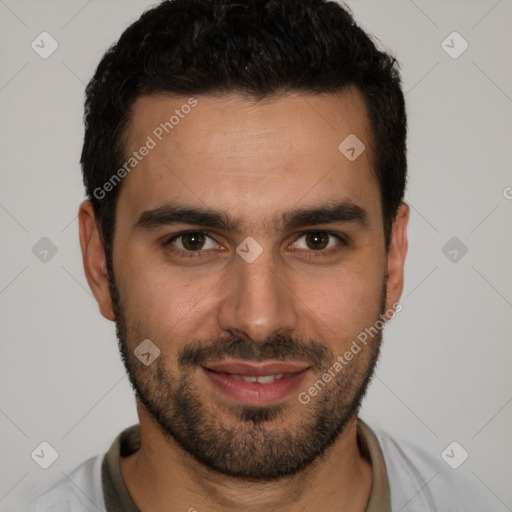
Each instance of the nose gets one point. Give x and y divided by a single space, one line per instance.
258 302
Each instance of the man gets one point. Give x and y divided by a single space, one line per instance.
245 229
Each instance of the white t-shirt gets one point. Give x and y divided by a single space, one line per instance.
399 485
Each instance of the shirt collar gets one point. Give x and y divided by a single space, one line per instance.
118 499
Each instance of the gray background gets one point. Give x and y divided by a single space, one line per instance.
445 371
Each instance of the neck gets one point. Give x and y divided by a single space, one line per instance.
161 476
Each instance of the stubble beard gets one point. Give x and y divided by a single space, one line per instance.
247 442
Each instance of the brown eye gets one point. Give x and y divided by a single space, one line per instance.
192 244
320 242
193 241
317 240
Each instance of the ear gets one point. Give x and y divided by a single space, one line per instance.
396 256
93 256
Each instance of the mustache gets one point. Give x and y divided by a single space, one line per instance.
278 347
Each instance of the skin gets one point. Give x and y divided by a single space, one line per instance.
254 161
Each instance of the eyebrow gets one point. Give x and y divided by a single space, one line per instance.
169 214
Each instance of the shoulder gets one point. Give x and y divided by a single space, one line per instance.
423 481
80 491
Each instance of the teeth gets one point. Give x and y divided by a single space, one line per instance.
262 379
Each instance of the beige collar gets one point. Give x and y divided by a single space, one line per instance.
118 499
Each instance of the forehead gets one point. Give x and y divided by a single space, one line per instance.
251 157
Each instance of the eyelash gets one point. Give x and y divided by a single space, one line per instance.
204 253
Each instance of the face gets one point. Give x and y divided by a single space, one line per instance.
250 251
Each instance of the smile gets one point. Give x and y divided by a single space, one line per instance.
262 379
255 383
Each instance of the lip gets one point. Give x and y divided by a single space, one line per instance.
220 375
256 369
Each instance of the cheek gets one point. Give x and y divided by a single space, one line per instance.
345 302
167 303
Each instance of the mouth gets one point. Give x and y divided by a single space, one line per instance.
255 383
